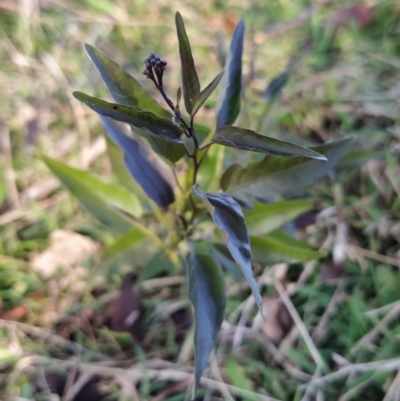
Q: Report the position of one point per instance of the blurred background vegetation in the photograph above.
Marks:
(333, 328)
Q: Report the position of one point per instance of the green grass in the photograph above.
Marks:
(348, 85)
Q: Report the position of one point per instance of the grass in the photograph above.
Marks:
(336, 327)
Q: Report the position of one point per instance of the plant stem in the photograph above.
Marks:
(190, 133)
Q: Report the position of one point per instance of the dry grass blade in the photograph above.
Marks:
(372, 335)
(366, 253)
(300, 325)
(134, 374)
(8, 172)
(382, 366)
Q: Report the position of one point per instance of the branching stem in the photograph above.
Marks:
(155, 68)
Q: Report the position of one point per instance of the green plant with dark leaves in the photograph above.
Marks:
(177, 168)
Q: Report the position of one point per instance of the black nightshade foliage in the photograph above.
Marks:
(147, 169)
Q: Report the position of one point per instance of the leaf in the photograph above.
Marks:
(159, 126)
(246, 139)
(97, 196)
(157, 265)
(266, 218)
(123, 87)
(224, 258)
(207, 295)
(127, 249)
(237, 377)
(190, 80)
(228, 217)
(276, 85)
(205, 94)
(279, 247)
(116, 156)
(126, 90)
(356, 158)
(275, 177)
(169, 151)
(211, 168)
(148, 170)
(228, 105)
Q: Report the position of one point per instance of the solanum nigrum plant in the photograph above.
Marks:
(177, 165)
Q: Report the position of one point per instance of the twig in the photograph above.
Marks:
(309, 391)
(338, 297)
(217, 376)
(50, 337)
(77, 386)
(354, 391)
(386, 365)
(370, 337)
(239, 332)
(393, 393)
(300, 325)
(135, 374)
(161, 282)
(374, 313)
(281, 359)
(366, 253)
(7, 167)
(304, 276)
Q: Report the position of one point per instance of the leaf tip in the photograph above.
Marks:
(318, 156)
(82, 97)
(178, 17)
(90, 51)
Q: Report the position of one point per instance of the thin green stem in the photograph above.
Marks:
(188, 154)
(177, 181)
(190, 133)
(194, 210)
(206, 146)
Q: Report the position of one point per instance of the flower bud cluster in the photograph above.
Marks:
(154, 64)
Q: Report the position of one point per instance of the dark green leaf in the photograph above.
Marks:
(279, 247)
(224, 258)
(202, 132)
(148, 170)
(228, 106)
(98, 197)
(157, 265)
(128, 250)
(116, 156)
(246, 139)
(190, 80)
(276, 177)
(211, 169)
(228, 217)
(207, 295)
(159, 126)
(276, 85)
(169, 151)
(205, 94)
(266, 218)
(237, 376)
(126, 90)
(123, 87)
(356, 158)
